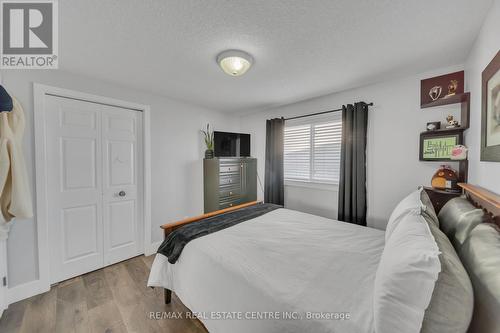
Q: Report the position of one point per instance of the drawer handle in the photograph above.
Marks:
(230, 193)
(230, 205)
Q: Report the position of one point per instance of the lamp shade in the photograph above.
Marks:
(234, 62)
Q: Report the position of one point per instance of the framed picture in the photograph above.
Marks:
(490, 117)
(438, 147)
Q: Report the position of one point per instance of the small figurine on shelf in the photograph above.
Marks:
(445, 179)
(435, 92)
(459, 153)
(452, 88)
(452, 123)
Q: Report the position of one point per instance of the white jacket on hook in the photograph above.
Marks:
(15, 197)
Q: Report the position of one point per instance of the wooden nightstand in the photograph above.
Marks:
(439, 197)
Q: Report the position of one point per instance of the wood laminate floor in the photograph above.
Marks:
(112, 299)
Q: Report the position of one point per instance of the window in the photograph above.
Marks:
(312, 149)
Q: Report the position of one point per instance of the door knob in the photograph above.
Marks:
(122, 193)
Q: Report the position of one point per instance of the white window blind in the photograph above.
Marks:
(312, 149)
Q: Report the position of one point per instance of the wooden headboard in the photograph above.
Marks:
(484, 199)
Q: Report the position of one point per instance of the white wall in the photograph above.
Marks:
(487, 44)
(176, 149)
(393, 168)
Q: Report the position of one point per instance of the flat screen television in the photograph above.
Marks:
(231, 144)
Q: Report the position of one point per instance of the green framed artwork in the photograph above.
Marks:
(438, 147)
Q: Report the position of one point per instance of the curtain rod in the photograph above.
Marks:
(318, 113)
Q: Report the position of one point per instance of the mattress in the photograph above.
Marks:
(283, 271)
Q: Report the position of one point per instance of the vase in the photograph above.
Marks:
(209, 153)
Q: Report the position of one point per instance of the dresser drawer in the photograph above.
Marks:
(229, 168)
(226, 205)
(230, 188)
(229, 201)
(229, 180)
(229, 192)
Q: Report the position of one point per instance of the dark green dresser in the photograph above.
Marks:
(229, 182)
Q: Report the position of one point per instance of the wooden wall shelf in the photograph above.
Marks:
(463, 170)
(458, 98)
(445, 130)
(464, 100)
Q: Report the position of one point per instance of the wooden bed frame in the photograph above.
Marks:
(484, 199)
(488, 201)
(169, 227)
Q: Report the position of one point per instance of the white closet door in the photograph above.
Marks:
(121, 136)
(74, 187)
(94, 188)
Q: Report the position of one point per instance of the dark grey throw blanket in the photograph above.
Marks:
(174, 243)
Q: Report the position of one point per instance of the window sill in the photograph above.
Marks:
(313, 185)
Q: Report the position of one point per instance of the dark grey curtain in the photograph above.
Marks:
(352, 186)
(273, 184)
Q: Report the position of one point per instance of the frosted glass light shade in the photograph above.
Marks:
(234, 62)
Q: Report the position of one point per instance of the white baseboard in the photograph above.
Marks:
(152, 248)
(26, 290)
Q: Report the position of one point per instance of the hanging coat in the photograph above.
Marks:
(15, 197)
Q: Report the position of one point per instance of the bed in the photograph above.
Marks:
(285, 271)
(294, 264)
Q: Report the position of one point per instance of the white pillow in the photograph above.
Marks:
(406, 276)
(411, 203)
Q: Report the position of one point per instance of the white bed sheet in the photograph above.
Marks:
(284, 263)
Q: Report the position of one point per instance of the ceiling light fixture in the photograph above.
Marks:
(234, 62)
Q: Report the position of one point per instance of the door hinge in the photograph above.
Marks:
(4, 281)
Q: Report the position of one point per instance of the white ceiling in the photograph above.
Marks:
(302, 49)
